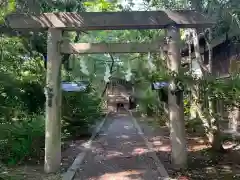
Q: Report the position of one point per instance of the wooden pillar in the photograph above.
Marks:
(53, 103)
(175, 102)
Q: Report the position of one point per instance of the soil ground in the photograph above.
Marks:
(203, 163)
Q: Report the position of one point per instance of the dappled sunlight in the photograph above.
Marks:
(226, 168)
(123, 137)
(128, 127)
(115, 158)
(157, 143)
(124, 153)
(197, 144)
(118, 152)
(160, 143)
(111, 154)
(156, 138)
(197, 147)
(97, 150)
(138, 151)
(165, 148)
(124, 175)
(159, 138)
(211, 170)
(120, 114)
(72, 145)
(127, 143)
(217, 172)
(197, 139)
(31, 172)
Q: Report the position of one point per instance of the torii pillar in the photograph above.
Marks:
(175, 101)
(53, 103)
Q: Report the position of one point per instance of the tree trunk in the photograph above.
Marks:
(196, 5)
(196, 104)
(215, 132)
(175, 101)
(234, 119)
(211, 125)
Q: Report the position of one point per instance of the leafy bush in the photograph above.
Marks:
(22, 101)
(80, 111)
(32, 97)
(21, 139)
(19, 96)
(24, 139)
(149, 104)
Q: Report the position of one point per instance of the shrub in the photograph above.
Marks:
(32, 97)
(80, 111)
(22, 134)
(21, 140)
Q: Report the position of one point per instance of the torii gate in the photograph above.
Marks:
(55, 23)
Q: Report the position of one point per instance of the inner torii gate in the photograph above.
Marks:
(55, 23)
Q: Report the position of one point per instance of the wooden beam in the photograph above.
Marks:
(109, 20)
(53, 103)
(98, 48)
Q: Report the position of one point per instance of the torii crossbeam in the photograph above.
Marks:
(109, 20)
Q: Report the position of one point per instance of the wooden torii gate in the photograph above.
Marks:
(55, 23)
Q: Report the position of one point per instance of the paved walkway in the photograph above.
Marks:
(119, 153)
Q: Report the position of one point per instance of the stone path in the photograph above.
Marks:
(119, 153)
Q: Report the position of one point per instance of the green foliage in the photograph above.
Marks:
(32, 97)
(101, 5)
(80, 111)
(226, 89)
(6, 8)
(148, 103)
(186, 103)
(19, 96)
(22, 102)
(22, 139)
(10, 101)
(22, 135)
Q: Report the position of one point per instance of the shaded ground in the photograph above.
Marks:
(120, 154)
(34, 171)
(203, 163)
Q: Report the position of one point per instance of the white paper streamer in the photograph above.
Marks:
(107, 74)
(83, 67)
(150, 63)
(128, 73)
